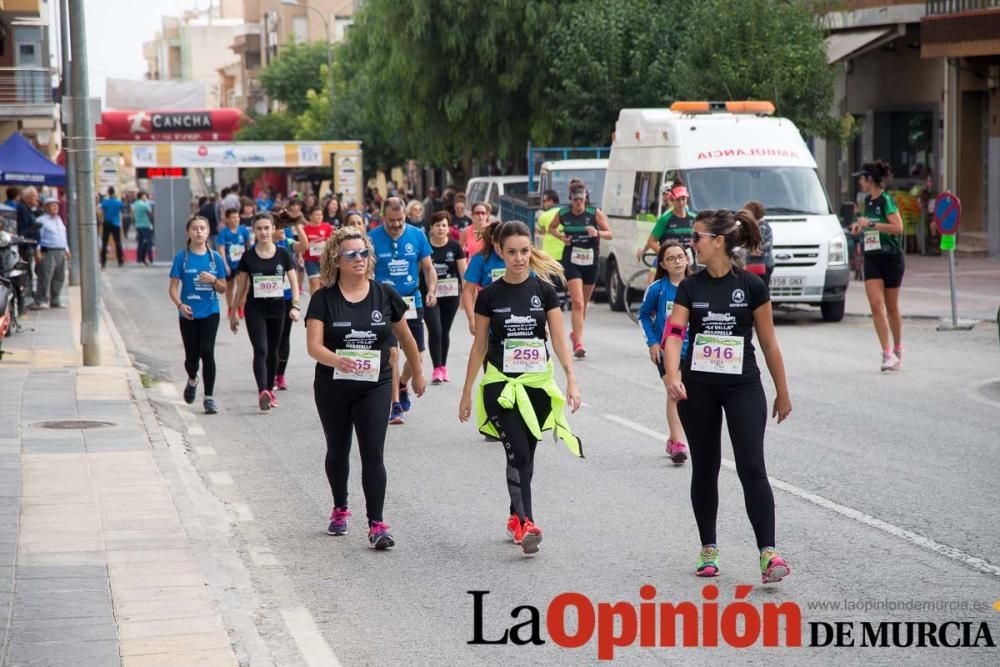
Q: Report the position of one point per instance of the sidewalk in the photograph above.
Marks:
(95, 565)
(925, 292)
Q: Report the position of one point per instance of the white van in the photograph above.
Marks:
(491, 188)
(726, 154)
(556, 175)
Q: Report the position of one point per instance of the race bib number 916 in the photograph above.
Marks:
(717, 354)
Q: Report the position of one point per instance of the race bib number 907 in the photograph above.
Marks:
(268, 287)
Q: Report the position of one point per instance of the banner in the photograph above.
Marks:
(228, 155)
(198, 125)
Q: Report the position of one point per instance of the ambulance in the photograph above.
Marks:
(725, 153)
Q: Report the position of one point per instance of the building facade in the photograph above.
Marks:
(27, 75)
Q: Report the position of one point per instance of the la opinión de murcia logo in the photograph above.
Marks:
(573, 620)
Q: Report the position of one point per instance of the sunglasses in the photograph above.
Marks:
(352, 255)
(697, 236)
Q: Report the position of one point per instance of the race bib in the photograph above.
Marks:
(368, 364)
(316, 247)
(582, 256)
(411, 307)
(446, 287)
(872, 240)
(717, 354)
(267, 287)
(524, 355)
(670, 307)
(236, 251)
(497, 274)
(398, 267)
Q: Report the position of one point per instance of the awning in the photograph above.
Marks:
(841, 45)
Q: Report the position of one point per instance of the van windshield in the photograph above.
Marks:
(782, 190)
(559, 179)
(516, 188)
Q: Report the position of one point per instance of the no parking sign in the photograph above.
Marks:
(947, 213)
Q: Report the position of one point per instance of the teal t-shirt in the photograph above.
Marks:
(142, 210)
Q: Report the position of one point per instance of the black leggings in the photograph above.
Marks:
(109, 232)
(746, 417)
(285, 347)
(519, 443)
(199, 345)
(363, 406)
(265, 335)
(439, 319)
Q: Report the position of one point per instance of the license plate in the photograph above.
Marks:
(788, 281)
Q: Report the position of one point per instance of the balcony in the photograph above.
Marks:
(26, 91)
(960, 29)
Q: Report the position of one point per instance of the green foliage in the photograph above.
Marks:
(296, 70)
(275, 126)
(759, 50)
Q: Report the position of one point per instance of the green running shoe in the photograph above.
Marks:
(708, 562)
(773, 567)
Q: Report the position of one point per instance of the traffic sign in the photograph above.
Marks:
(947, 212)
(947, 242)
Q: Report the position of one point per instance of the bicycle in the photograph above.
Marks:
(636, 285)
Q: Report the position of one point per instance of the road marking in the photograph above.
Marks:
(167, 389)
(195, 430)
(220, 478)
(312, 646)
(262, 557)
(243, 512)
(205, 451)
(974, 562)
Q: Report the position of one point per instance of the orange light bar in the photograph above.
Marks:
(690, 107)
(746, 107)
(751, 106)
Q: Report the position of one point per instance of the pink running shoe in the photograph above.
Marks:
(338, 521)
(264, 400)
(274, 399)
(379, 536)
(436, 376)
(677, 451)
(444, 374)
(280, 383)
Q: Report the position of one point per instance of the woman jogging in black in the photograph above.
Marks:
(260, 284)
(518, 398)
(348, 331)
(197, 277)
(449, 263)
(721, 307)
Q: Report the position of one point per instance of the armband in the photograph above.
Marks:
(675, 332)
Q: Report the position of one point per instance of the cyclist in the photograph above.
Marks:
(234, 239)
(197, 275)
(449, 263)
(518, 397)
(671, 268)
(881, 225)
(721, 306)
(583, 227)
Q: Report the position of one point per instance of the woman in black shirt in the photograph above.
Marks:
(519, 398)
(263, 273)
(449, 263)
(721, 307)
(349, 328)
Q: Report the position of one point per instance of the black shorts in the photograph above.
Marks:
(588, 274)
(885, 267)
(416, 328)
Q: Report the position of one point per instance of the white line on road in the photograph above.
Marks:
(866, 519)
(312, 646)
(220, 478)
(243, 512)
(205, 451)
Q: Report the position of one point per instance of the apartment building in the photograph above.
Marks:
(27, 75)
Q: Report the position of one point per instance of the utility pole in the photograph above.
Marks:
(73, 228)
(83, 156)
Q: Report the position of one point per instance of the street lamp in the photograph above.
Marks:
(329, 50)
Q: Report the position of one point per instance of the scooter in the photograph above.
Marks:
(12, 272)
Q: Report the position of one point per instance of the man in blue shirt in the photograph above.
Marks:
(111, 221)
(51, 254)
(401, 252)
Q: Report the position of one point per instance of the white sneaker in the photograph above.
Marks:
(890, 362)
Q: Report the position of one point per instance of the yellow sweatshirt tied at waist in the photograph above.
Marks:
(514, 395)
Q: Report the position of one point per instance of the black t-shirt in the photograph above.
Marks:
(266, 295)
(460, 222)
(365, 325)
(720, 307)
(445, 259)
(515, 311)
(575, 227)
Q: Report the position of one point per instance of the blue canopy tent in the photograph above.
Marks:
(22, 164)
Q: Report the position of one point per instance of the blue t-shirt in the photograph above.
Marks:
(484, 270)
(112, 209)
(655, 311)
(202, 298)
(226, 239)
(398, 262)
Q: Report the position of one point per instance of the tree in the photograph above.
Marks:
(297, 69)
(763, 50)
(275, 126)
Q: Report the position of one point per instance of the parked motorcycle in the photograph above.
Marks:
(13, 271)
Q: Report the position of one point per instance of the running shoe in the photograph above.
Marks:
(274, 399)
(578, 350)
(209, 405)
(708, 562)
(264, 400)
(396, 414)
(677, 451)
(531, 536)
(404, 398)
(514, 528)
(890, 362)
(773, 567)
(379, 536)
(338, 521)
(444, 374)
(279, 382)
(190, 390)
(436, 376)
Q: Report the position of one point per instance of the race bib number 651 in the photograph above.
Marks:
(717, 354)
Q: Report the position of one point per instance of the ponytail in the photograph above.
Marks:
(739, 229)
(747, 234)
(489, 235)
(546, 267)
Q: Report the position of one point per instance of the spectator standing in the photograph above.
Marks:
(13, 196)
(111, 226)
(50, 256)
(232, 200)
(27, 212)
(142, 211)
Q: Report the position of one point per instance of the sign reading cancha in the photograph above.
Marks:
(200, 125)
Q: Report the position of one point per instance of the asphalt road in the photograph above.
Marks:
(888, 493)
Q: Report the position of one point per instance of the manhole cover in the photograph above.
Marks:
(72, 424)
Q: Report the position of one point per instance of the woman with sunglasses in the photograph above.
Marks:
(349, 331)
(671, 268)
(471, 243)
(720, 307)
(260, 285)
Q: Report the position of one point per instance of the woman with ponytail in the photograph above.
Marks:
(484, 267)
(720, 307)
(518, 398)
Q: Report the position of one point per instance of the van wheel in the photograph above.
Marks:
(832, 311)
(616, 288)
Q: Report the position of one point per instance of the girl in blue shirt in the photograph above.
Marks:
(671, 268)
(197, 277)
(233, 240)
(484, 267)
